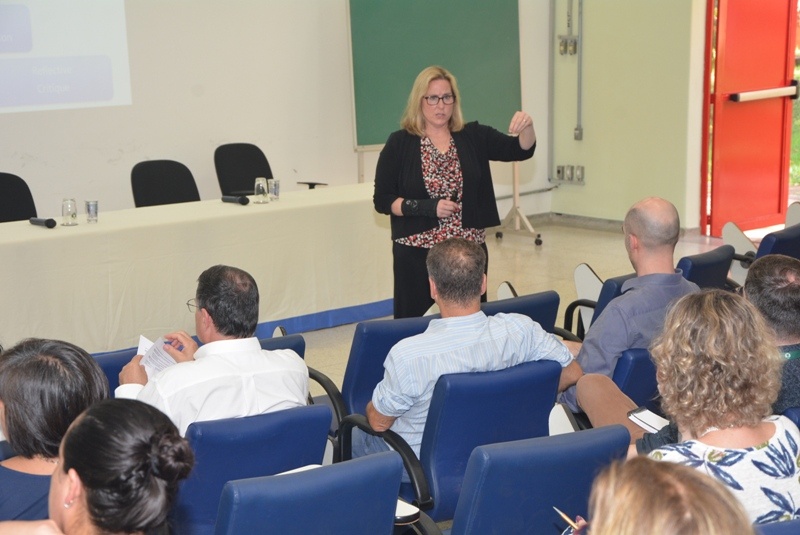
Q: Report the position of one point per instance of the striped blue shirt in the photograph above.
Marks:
(460, 344)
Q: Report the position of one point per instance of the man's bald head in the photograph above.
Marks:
(655, 222)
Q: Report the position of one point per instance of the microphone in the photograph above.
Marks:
(241, 199)
(49, 223)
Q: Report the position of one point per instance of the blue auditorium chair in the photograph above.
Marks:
(709, 269)
(467, 410)
(238, 448)
(791, 527)
(356, 497)
(611, 288)
(512, 487)
(112, 363)
(635, 375)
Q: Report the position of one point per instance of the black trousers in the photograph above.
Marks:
(412, 292)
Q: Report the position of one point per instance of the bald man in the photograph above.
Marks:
(633, 319)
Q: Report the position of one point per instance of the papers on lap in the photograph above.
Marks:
(154, 357)
(647, 420)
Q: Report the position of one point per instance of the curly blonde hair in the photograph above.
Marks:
(413, 120)
(647, 497)
(717, 363)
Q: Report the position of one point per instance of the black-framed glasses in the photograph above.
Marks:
(433, 100)
(191, 304)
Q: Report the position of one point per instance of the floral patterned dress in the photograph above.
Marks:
(443, 180)
(763, 478)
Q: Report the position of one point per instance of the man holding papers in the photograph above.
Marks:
(229, 375)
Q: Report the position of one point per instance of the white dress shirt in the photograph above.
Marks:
(227, 379)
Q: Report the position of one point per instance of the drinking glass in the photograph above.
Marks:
(261, 191)
(69, 212)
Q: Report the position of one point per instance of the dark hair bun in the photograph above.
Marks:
(171, 457)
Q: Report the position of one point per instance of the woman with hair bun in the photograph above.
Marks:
(118, 471)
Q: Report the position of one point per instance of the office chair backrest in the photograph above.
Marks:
(356, 497)
(372, 341)
(635, 375)
(16, 201)
(112, 363)
(511, 487)
(785, 242)
(295, 342)
(158, 182)
(238, 448)
(612, 287)
(541, 307)
(473, 409)
(709, 269)
(790, 527)
(238, 165)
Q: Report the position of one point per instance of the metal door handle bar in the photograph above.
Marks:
(788, 91)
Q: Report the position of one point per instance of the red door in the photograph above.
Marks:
(750, 47)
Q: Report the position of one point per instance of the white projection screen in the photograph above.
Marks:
(61, 54)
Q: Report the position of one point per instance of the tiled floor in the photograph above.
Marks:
(528, 267)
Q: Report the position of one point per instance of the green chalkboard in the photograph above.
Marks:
(393, 40)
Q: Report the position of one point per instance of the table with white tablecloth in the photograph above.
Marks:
(320, 257)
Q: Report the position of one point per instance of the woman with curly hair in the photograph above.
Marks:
(718, 373)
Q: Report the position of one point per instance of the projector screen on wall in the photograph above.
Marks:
(63, 54)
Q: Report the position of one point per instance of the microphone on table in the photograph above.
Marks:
(240, 199)
(42, 222)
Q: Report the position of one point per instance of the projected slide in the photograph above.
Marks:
(63, 54)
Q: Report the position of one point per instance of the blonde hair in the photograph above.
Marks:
(647, 497)
(413, 121)
(717, 363)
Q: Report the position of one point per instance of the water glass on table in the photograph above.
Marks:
(69, 212)
(261, 191)
(91, 211)
(274, 188)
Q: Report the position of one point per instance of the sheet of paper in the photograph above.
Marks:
(648, 420)
(155, 358)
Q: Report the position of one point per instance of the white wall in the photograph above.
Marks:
(277, 73)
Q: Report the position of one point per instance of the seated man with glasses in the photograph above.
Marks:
(229, 375)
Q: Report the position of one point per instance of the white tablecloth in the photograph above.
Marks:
(101, 285)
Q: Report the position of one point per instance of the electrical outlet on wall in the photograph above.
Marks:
(560, 173)
(579, 176)
(569, 173)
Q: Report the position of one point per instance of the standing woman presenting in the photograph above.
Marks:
(433, 179)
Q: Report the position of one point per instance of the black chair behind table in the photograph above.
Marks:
(543, 472)
(16, 201)
(709, 269)
(357, 497)
(157, 182)
(467, 410)
(239, 448)
(238, 165)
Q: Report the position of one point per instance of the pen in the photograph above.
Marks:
(567, 519)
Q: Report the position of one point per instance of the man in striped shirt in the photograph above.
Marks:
(463, 340)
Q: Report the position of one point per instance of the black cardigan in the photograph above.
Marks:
(399, 174)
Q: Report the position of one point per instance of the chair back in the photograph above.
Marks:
(238, 448)
(709, 269)
(612, 287)
(635, 375)
(238, 165)
(510, 487)
(472, 409)
(372, 341)
(158, 182)
(112, 363)
(356, 497)
(295, 342)
(541, 307)
(16, 201)
(789, 527)
(785, 242)
(793, 413)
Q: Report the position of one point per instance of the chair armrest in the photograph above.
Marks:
(569, 313)
(412, 465)
(745, 259)
(337, 401)
(566, 335)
